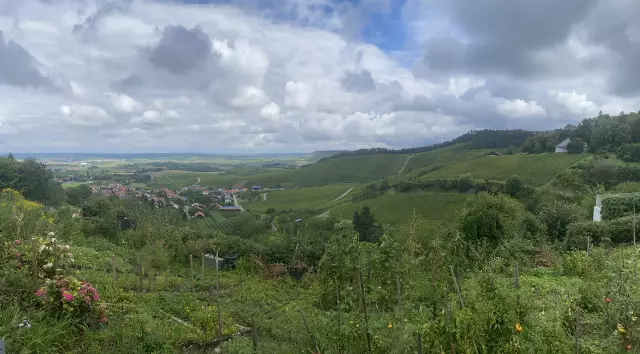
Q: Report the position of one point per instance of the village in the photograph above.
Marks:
(196, 200)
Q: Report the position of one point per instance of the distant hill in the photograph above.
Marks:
(318, 155)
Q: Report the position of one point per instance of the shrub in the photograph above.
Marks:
(557, 216)
(619, 206)
(70, 296)
(600, 232)
(52, 257)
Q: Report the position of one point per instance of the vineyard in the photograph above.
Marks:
(179, 179)
(394, 209)
(535, 170)
(446, 156)
(299, 198)
(348, 169)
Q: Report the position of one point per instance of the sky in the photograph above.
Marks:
(222, 76)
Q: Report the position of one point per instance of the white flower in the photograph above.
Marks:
(42, 247)
(51, 234)
(66, 247)
(47, 266)
(53, 239)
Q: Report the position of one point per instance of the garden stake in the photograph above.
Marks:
(635, 268)
(339, 321)
(578, 331)
(113, 273)
(419, 344)
(586, 258)
(516, 284)
(364, 309)
(399, 299)
(191, 264)
(455, 282)
(254, 335)
(55, 256)
(34, 258)
(141, 274)
(447, 320)
(313, 337)
(202, 265)
(218, 298)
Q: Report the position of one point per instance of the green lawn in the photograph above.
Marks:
(300, 198)
(535, 170)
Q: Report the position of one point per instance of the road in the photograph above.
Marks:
(343, 194)
(405, 164)
(235, 201)
(264, 196)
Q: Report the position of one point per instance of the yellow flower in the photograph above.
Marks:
(519, 328)
(620, 328)
(389, 325)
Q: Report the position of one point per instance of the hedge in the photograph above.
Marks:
(619, 206)
(600, 232)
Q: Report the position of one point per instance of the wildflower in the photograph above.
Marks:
(96, 297)
(620, 328)
(48, 265)
(389, 326)
(519, 327)
(52, 234)
(18, 242)
(17, 255)
(41, 292)
(628, 347)
(103, 319)
(607, 299)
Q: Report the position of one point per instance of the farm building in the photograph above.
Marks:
(562, 147)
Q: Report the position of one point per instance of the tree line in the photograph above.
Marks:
(31, 178)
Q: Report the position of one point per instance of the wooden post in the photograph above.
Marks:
(254, 335)
(339, 318)
(113, 273)
(34, 262)
(516, 284)
(635, 268)
(218, 298)
(191, 264)
(141, 274)
(419, 343)
(399, 300)
(578, 330)
(364, 309)
(447, 320)
(313, 337)
(202, 265)
(586, 258)
(455, 282)
(55, 256)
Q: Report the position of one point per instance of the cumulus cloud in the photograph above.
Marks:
(82, 115)
(124, 75)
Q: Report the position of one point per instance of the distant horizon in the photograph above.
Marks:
(27, 154)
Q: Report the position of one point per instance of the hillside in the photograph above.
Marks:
(299, 198)
(535, 170)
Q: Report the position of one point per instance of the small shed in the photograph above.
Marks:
(494, 153)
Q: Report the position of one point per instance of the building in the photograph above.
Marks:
(494, 153)
(562, 147)
(255, 188)
(228, 208)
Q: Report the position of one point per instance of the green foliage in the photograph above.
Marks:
(78, 195)
(298, 198)
(557, 216)
(32, 179)
(617, 231)
(614, 207)
(490, 219)
(535, 170)
(513, 186)
(364, 224)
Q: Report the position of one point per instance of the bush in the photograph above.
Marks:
(619, 206)
(557, 216)
(600, 232)
(67, 295)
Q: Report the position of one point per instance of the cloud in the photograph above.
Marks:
(18, 67)
(181, 50)
(305, 75)
(90, 116)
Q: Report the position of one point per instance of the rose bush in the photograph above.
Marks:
(53, 257)
(68, 295)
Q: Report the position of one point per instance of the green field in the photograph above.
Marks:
(445, 156)
(179, 179)
(535, 170)
(348, 169)
(300, 198)
(395, 208)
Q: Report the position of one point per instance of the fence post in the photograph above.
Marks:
(419, 343)
(201, 265)
(34, 262)
(366, 317)
(455, 282)
(399, 300)
(218, 298)
(254, 335)
(113, 273)
(141, 274)
(339, 319)
(578, 330)
(191, 265)
(447, 320)
(313, 337)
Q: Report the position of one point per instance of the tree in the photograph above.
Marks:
(557, 216)
(465, 182)
(510, 149)
(576, 146)
(513, 186)
(490, 219)
(364, 224)
(76, 196)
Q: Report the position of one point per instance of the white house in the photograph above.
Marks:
(562, 147)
